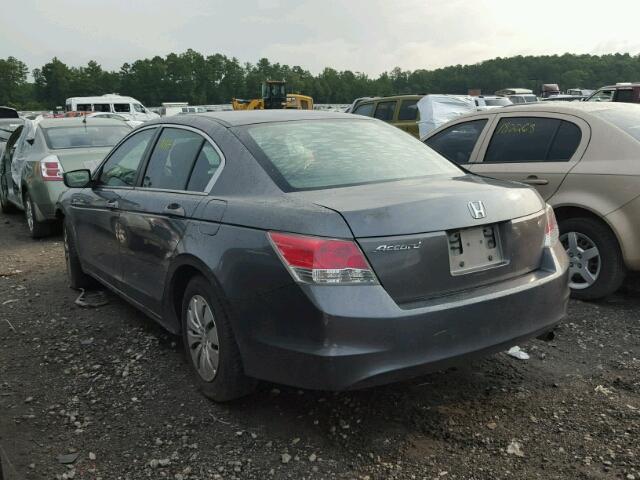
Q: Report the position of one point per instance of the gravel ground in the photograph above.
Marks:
(105, 394)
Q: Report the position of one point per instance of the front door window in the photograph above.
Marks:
(121, 169)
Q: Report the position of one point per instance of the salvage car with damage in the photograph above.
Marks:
(321, 250)
(38, 152)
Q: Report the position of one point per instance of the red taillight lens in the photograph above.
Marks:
(319, 260)
(51, 168)
(551, 231)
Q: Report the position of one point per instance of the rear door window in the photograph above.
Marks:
(365, 109)
(385, 111)
(101, 107)
(408, 110)
(172, 159)
(532, 139)
(122, 107)
(206, 165)
(565, 142)
(10, 146)
(121, 169)
(625, 96)
(457, 142)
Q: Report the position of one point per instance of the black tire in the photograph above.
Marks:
(36, 229)
(612, 268)
(229, 382)
(76, 277)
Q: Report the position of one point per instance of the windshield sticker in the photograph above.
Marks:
(510, 128)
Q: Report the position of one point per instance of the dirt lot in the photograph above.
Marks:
(110, 387)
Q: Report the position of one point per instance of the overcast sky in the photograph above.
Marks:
(361, 35)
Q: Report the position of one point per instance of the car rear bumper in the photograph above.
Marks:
(624, 223)
(338, 338)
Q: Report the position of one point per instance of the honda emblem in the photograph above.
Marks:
(477, 209)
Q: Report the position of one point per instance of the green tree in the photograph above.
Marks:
(13, 81)
(191, 77)
(53, 82)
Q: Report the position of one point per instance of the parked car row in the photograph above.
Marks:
(418, 114)
(333, 251)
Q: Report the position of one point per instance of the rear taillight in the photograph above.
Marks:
(551, 231)
(51, 168)
(323, 261)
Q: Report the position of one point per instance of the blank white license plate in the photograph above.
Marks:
(474, 249)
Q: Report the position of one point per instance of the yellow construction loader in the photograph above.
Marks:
(274, 96)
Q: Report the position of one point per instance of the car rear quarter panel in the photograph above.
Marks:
(607, 183)
(234, 251)
(239, 261)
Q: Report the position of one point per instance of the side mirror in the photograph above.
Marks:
(77, 178)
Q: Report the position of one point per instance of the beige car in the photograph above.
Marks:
(584, 160)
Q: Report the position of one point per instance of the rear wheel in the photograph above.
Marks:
(596, 267)
(76, 277)
(36, 229)
(210, 345)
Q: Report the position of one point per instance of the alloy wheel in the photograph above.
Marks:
(28, 213)
(202, 338)
(584, 259)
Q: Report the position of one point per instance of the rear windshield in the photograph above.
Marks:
(84, 136)
(629, 121)
(333, 153)
(8, 113)
(497, 102)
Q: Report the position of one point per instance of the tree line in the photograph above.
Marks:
(198, 79)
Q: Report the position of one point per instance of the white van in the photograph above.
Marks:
(111, 103)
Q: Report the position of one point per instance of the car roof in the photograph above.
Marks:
(106, 98)
(78, 121)
(249, 117)
(622, 85)
(569, 108)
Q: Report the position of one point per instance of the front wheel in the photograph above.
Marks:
(596, 266)
(76, 277)
(210, 346)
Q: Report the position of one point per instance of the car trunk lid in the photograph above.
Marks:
(72, 159)
(421, 237)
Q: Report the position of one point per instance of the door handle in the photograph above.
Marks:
(534, 180)
(175, 210)
(112, 204)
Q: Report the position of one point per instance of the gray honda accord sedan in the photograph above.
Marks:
(320, 250)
